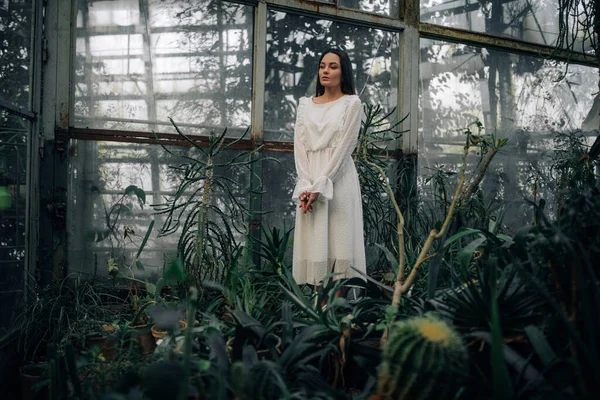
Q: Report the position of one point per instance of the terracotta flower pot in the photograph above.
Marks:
(30, 375)
(364, 356)
(144, 338)
(108, 347)
(158, 334)
(107, 344)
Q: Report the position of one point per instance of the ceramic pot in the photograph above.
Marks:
(158, 334)
(144, 338)
(30, 375)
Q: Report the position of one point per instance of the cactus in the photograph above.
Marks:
(424, 358)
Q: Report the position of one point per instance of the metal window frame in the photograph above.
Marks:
(58, 103)
(32, 165)
(407, 23)
(32, 214)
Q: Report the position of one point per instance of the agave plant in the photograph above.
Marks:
(556, 261)
(208, 207)
(468, 304)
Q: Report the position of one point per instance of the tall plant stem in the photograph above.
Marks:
(188, 337)
(401, 286)
(400, 226)
(202, 216)
(475, 182)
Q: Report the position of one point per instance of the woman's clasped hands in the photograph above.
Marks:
(306, 201)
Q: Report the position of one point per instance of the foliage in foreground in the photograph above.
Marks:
(525, 308)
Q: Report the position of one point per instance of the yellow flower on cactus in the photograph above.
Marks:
(422, 353)
(436, 331)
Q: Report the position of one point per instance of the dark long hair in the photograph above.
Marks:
(347, 75)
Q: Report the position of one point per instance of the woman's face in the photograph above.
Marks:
(330, 70)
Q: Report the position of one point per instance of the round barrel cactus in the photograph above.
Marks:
(424, 358)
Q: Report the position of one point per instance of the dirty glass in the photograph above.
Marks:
(535, 21)
(13, 195)
(139, 63)
(109, 221)
(294, 44)
(383, 7)
(279, 179)
(15, 52)
(532, 102)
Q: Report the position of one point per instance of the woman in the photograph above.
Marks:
(329, 225)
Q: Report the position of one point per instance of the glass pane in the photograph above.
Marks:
(100, 174)
(13, 195)
(140, 63)
(534, 21)
(383, 7)
(294, 44)
(279, 180)
(15, 55)
(525, 99)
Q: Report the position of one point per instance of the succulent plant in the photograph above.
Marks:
(424, 358)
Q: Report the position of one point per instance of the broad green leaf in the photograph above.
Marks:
(139, 193)
(390, 257)
(158, 289)
(139, 265)
(504, 237)
(151, 289)
(465, 255)
(390, 313)
(148, 232)
(460, 235)
(175, 271)
(203, 365)
(540, 345)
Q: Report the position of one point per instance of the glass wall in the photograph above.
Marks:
(119, 190)
(15, 53)
(535, 21)
(294, 45)
(139, 63)
(13, 195)
(530, 101)
(382, 7)
(16, 117)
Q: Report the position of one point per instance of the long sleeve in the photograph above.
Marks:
(300, 159)
(333, 171)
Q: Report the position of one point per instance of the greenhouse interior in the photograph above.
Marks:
(148, 166)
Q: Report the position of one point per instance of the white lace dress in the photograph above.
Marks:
(330, 239)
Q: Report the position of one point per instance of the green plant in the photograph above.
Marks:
(424, 358)
(555, 260)
(377, 141)
(469, 303)
(335, 322)
(489, 146)
(273, 247)
(571, 170)
(113, 216)
(209, 228)
(48, 317)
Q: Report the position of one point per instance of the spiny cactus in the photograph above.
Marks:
(424, 358)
